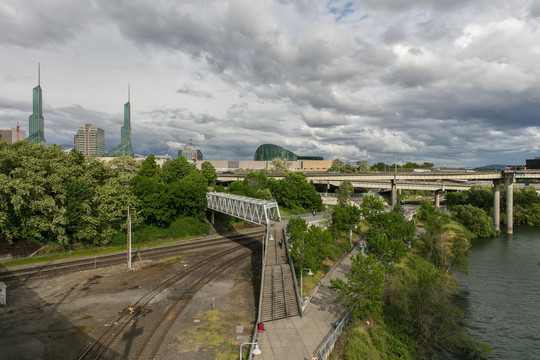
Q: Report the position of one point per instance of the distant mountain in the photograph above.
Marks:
(493, 167)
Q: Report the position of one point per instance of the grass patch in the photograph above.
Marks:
(310, 282)
(60, 256)
(216, 332)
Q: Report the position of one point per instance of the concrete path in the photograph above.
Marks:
(297, 338)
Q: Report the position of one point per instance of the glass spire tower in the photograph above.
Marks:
(36, 128)
(125, 135)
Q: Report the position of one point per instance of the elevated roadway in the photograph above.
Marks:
(436, 181)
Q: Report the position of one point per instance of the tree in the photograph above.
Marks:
(363, 166)
(344, 192)
(126, 166)
(176, 169)
(389, 236)
(190, 195)
(149, 167)
(428, 165)
(362, 293)
(280, 165)
(380, 166)
(475, 220)
(371, 205)
(337, 166)
(106, 216)
(345, 217)
(294, 192)
(426, 211)
(209, 173)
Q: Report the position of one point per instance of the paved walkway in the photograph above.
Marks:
(297, 338)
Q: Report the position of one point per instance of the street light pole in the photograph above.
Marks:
(255, 351)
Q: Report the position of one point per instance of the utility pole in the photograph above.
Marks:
(128, 239)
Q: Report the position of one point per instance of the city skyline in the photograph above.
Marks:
(455, 84)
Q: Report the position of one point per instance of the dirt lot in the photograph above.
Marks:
(57, 318)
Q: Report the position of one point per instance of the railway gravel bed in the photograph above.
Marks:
(58, 317)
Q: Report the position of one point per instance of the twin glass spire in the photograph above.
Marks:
(36, 128)
(125, 134)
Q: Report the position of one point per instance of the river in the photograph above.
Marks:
(501, 294)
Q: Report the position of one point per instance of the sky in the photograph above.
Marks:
(455, 83)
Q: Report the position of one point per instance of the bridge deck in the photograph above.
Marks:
(253, 210)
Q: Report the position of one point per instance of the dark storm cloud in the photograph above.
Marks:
(8, 104)
(189, 91)
(416, 79)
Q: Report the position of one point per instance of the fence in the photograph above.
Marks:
(326, 347)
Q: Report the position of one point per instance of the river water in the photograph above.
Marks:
(501, 294)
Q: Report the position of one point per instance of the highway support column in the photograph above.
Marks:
(438, 198)
(394, 192)
(497, 204)
(509, 177)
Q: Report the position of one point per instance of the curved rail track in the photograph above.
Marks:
(127, 338)
(88, 263)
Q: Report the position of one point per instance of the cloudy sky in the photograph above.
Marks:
(456, 83)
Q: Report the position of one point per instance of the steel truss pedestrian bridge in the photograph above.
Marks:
(253, 210)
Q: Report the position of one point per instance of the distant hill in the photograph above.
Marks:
(493, 167)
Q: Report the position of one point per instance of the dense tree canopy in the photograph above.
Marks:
(48, 195)
(475, 220)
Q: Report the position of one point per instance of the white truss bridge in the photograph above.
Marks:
(253, 210)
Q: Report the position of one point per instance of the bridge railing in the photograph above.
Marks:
(257, 211)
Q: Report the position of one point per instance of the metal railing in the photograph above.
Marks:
(326, 347)
(255, 331)
(298, 299)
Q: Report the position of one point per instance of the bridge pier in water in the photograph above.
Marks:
(509, 203)
(497, 204)
(508, 179)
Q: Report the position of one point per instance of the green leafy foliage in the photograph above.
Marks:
(426, 302)
(371, 205)
(527, 207)
(362, 293)
(389, 236)
(309, 245)
(345, 217)
(478, 196)
(294, 192)
(426, 211)
(47, 195)
(280, 165)
(343, 193)
(475, 220)
(209, 173)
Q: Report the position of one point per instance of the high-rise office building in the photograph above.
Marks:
(125, 135)
(191, 153)
(12, 134)
(89, 140)
(36, 128)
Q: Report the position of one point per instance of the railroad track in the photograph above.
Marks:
(88, 263)
(149, 338)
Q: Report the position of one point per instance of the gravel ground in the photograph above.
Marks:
(57, 318)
